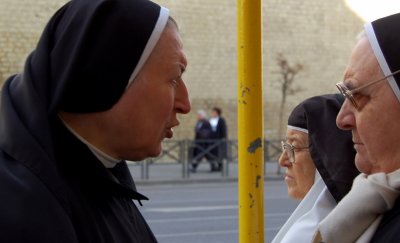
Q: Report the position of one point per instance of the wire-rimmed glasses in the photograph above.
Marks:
(289, 149)
(349, 93)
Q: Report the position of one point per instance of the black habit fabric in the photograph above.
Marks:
(52, 188)
(90, 47)
(388, 230)
(386, 31)
(331, 148)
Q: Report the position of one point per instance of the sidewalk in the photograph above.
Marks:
(173, 173)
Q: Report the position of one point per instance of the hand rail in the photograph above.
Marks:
(181, 152)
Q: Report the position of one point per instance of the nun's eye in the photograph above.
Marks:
(174, 82)
(361, 99)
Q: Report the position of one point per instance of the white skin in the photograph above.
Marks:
(134, 128)
(300, 175)
(374, 125)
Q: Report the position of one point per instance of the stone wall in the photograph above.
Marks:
(317, 34)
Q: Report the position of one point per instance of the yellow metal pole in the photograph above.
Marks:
(250, 122)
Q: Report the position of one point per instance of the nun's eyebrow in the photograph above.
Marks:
(349, 84)
(347, 80)
(295, 138)
(292, 138)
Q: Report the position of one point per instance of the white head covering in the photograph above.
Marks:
(303, 223)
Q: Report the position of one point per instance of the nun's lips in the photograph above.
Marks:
(169, 131)
(357, 146)
(288, 177)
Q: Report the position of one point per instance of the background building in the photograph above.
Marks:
(317, 34)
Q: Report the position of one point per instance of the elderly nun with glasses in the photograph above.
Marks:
(370, 212)
(319, 162)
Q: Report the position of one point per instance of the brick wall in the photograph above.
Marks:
(317, 34)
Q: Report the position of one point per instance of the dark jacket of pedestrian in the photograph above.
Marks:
(219, 134)
(202, 136)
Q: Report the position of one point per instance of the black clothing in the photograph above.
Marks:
(91, 47)
(80, 201)
(52, 188)
(221, 130)
(100, 198)
(389, 227)
(331, 148)
(219, 152)
(385, 33)
(202, 141)
(203, 130)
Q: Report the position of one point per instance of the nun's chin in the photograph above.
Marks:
(153, 152)
(156, 152)
(362, 164)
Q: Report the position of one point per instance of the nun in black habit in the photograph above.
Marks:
(55, 186)
(332, 154)
(370, 212)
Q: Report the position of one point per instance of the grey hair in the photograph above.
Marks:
(202, 113)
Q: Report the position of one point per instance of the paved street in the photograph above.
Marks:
(207, 212)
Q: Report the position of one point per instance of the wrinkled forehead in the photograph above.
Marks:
(170, 41)
(169, 53)
(296, 135)
(363, 64)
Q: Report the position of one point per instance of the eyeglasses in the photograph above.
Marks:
(289, 149)
(349, 94)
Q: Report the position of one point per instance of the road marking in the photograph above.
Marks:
(197, 233)
(232, 199)
(189, 209)
(192, 219)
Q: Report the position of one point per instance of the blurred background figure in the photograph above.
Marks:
(201, 140)
(219, 134)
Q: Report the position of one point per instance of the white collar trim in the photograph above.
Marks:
(297, 129)
(151, 43)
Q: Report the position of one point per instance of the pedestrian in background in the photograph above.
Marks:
(201, 140)
(84, 104)
(219, 135)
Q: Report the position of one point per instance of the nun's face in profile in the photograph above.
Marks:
(147, 112)
(300, 174)
(374, 124)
